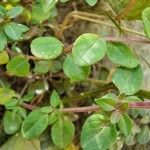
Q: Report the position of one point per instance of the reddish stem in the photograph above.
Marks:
(81, 109)
(29, 106)
(144, 105)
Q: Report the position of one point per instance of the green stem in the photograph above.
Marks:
(143, 94)
(103, 88)
(90, 94)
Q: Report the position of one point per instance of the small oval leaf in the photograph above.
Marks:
(106, 104)
(46, 47)
(5, 95)
(96, 134)
(3, 40)
(12, 122)
(128, 81)
(15, 12)
(14, 31)
(125, 124)
(88, 49)
(18, 66)
(120, 54)
(143, 136)
(35, 123)
(62, 133)
(55, 99)
(4, 58)
(73, 71)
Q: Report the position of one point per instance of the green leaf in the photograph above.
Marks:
(34, 124)
(125, 124)
(22, 28)
(55, 99)
(37, 14)
(14, 31)
(6, 95)
(96, 134)
(106, 104)
(4, 58)
(91, 2)
(56, 66)
(42, 66)
(64, 1)
(46, 109)
(18, 66)
(3, 12)
(10, 105)
(3, 40)
(128, 81)
(123, 106)
(28, 97)
(88, 49)
(133, 112)
(17, 142)
(144, 136)
(15, 12)
(21, 111)
(132, 99)
(110, 96)
(13, 1)
(136, 12)
(115, 117)
(146, 21)
(48, 5)
(73, 71)
(120, 54)
(53, 117)
(12, 122)
(62, 133)
(46, 47)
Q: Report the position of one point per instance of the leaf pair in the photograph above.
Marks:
(87, 50)
(62, 131)
(98, 134)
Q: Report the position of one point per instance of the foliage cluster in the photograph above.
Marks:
(34, 54)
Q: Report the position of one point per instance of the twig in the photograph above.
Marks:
(143, 105)
(91, 18)
(109, 25)
(81, 109)
(90, 94)
(127, 39)
(23, 89)
(29, 106)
